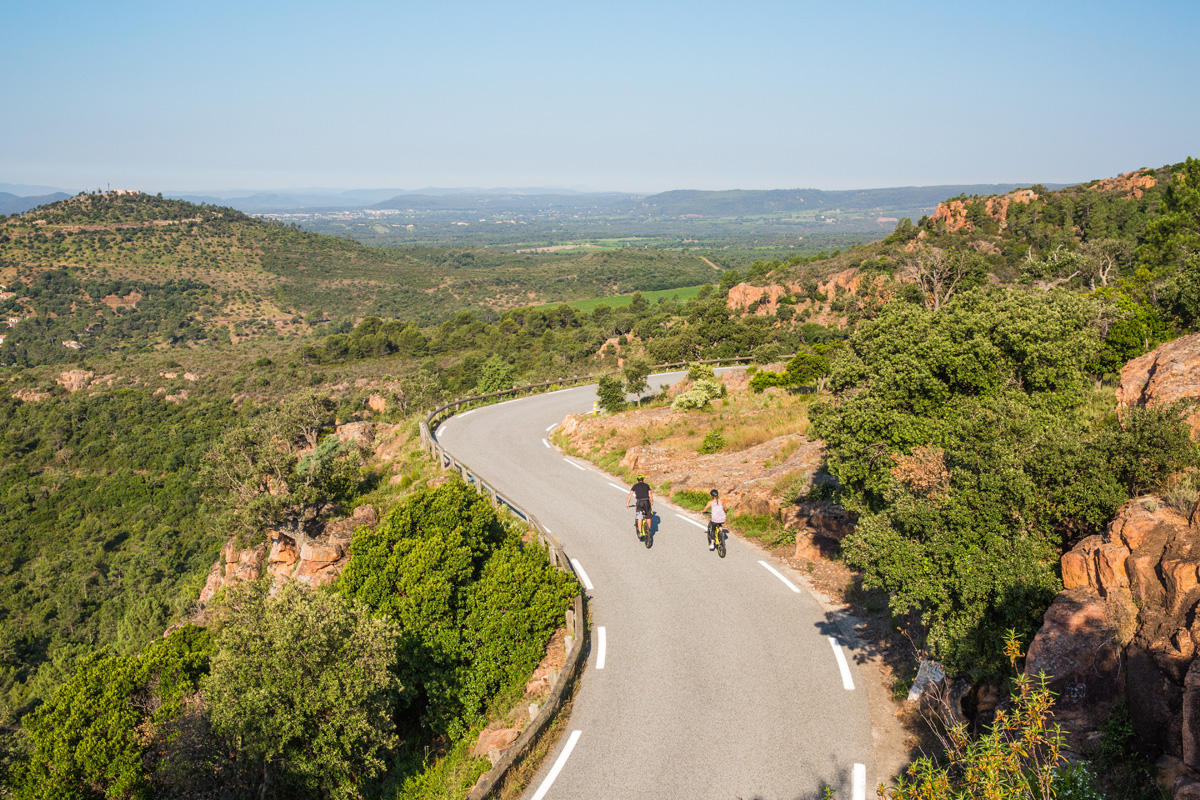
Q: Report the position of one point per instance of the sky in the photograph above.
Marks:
(604, 96)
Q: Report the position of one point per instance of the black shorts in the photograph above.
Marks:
(643, 505)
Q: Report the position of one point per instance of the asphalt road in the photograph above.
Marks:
(705, 677)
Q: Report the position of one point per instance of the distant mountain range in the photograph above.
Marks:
(905, 201)
(17, 204)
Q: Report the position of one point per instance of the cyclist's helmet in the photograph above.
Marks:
(713, 493)
(641, 477)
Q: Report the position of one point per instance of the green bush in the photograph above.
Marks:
(714, 441)
(610, 393)
(690, 499)
(703, 392)
(90, 738)
(303, 682)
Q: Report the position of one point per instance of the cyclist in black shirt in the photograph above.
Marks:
(645, 497)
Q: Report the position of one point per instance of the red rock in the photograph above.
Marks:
(1078, 649)
(212, 584)
(1182, 581)
(283, 551)
(1164, 375)
(1110, 567)
(1082, 562)
(1075, 573)
(500, 739)
(319, 553)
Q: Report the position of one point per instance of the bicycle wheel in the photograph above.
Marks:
(648, 537)
(721, 542)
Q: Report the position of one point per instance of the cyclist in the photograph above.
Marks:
(645, 500)
(718, 510)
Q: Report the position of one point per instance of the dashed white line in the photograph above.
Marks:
(618, 488)
(699, 525)
(600, 643)
(545, 443)
(859, 785)
(552, 427)
(779, 575)
(558, 765)
(579, 570)
(442, 429)
(847, 680)
(573, 464)
(472, 411)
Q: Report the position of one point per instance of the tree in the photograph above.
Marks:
(610, 392)
(303, 681)
(495, 376)
(938, 274)
(988, 394)
(92, 738)
(637, 370)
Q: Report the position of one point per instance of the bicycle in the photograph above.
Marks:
(719, 534)
(643, 527)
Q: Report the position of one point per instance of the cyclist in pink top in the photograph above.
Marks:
(718, 516)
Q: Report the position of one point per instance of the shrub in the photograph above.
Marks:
(702, 393)
(713, 442)
(610, 392)
(304, 682)
(690, 499)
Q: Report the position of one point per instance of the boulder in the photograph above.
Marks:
(377, 403)
(361, 433)
(1164, 375)
(1078, 648)
(821, 518)
(500, 739)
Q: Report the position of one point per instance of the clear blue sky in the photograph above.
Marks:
(633, 96)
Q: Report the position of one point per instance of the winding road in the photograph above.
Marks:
(705, 677)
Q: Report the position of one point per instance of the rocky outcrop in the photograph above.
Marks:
(315, 560)
(75, 379)
(1126, 625)
(953, 213)
(1163, 376)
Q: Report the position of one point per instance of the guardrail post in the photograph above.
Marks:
(570, 622)
(492, 494)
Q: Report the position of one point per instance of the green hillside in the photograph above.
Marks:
(121, 270)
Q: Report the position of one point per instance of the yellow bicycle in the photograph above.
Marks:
(643, 526)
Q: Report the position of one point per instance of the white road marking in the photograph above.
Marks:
(558, 765)
(545, 443)
(699, 525)
(442, 429)
(552, 427)
(779, 575)
(618, 488)
(600, 642)
(582, 574)
(859, 790)
(573, 464)
(472, 411)
(847, 681)
(547, 530)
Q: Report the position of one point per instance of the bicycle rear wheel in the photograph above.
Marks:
(647, 537)
(721, 542)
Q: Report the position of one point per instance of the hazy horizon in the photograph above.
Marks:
(627, 97)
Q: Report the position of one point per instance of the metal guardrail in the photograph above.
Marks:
(576, 621)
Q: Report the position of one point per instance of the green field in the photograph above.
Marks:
(684, 293)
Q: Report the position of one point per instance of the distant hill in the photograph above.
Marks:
(16, 204)
(103, 272)
(614, 203)
(909, 201)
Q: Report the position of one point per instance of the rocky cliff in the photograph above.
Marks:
(1126, 625)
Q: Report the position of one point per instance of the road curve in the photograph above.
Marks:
(714, 678)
